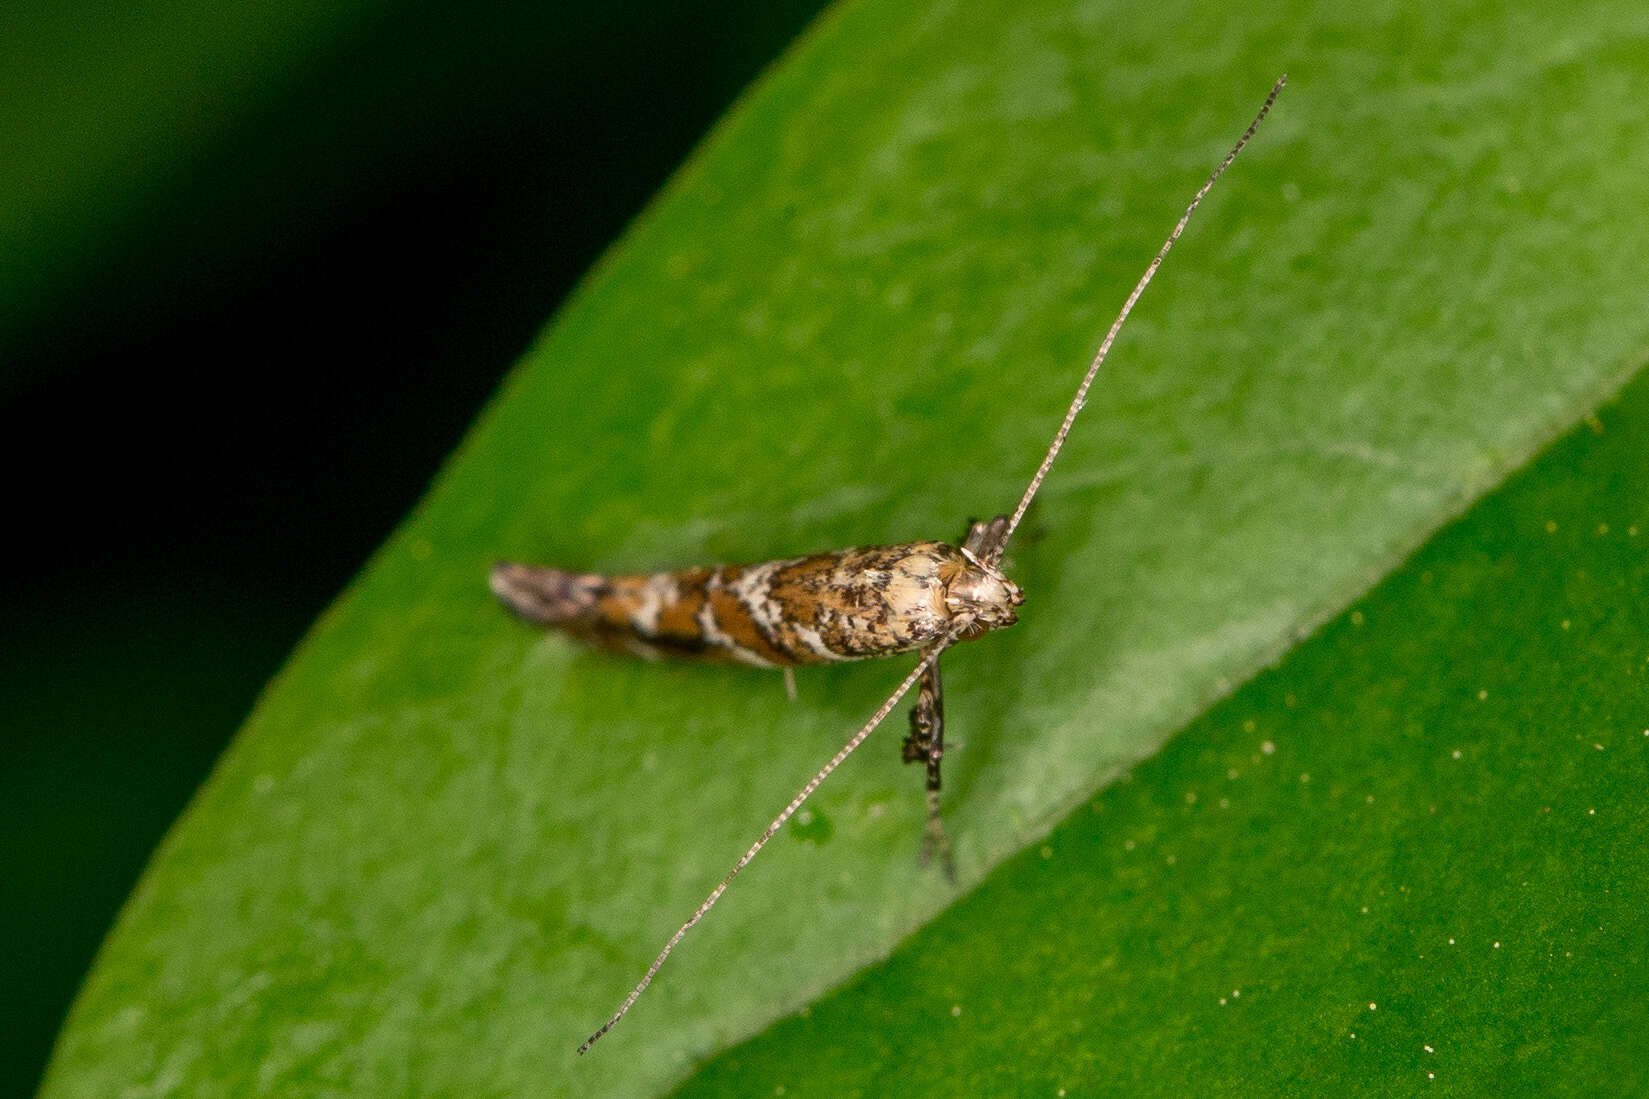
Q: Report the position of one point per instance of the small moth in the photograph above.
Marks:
(850, 604)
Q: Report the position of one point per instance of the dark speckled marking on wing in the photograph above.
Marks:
(845, 605)
(861, 603)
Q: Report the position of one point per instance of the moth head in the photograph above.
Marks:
(980, 597)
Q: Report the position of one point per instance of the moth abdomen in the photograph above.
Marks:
(649, 616)
(546, 596)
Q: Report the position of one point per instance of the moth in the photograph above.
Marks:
(852, 604)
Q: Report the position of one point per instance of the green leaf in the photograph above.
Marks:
(1411, 855)
(443, 848)
(107, 110)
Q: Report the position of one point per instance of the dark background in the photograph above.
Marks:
(208, 429)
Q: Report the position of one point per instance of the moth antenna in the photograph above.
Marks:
(772, 829)
(991, 558)
(1116, 326)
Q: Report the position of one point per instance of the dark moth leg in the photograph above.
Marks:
(926, 744)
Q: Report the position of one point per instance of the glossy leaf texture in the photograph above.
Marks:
(443, 848)
(1411, 856)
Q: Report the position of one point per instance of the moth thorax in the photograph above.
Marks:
(979, 595)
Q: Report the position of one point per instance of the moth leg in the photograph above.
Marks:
(926, 744)
(984, 537)
(790, 682)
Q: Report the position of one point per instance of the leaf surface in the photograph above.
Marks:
(1411, 856)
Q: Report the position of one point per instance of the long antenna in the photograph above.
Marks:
(772, 829)
(1081, 397)
(932, 653)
